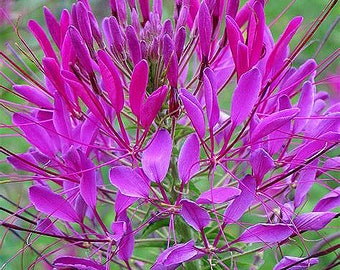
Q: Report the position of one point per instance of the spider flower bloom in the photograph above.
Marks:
(166, 134)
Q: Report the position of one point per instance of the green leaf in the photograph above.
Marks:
(155, 226)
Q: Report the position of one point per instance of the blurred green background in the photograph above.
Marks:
(21, 11)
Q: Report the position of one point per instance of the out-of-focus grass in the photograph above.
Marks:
(23, 10)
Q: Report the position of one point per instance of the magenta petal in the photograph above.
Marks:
(242, 61)
(309, 149)
(88, 183)
(194, 215)
(81, 49)
(261, 162)
(52, 204)
(234, 35)
(139, 81)
(188, 160)
(232, 8)
(123, 202)
(152, 106)
(211, 101)
(194, 110)
(266, 233)
(83, 22)
(134, 45)
(283, 41)
(245, 95)
(35, 133)
(288, 260)
(85, 94)
(273, 122)
(313, 221)
(304, 183)
(111, 81)
(127, 242)
(298, 76)
(117, 37)
(145, 9)
(157, 155)
(305, 105)
(61, 121)
(118, 229)
(241, 203)
(204, 29)
(180, 41)
(172, 257)
(329, 201)
(45, 225)
(53, 27)
(129, 182)
(41, 37)
(218, 195)
(68, 55)
(77, 263)
(25, 162)
(33, 95)
(170, 60)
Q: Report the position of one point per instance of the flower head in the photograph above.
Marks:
(197, 124)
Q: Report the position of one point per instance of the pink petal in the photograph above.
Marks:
(234, 35)
(45, 225)
(85, 94)
(211, 101)
(204, 29)
(111, 81)
(194, 111)
(52, 204)
(288, 260)
(245, 96)
(123, 202)
(129, 182)
(78, 263)
(33, 95)
(188, 159)
(118, 229)
(283, 41)
(266, 233)
(80, 49)
(25, 162)
(242, 61)
(139, 81)
(309, 149)
(88, 183)
(152, 106)
(329, 201)
(53, 27)
(305, 105)
(305, 181)
(41, 37)
(172, 257)
(84, 25)
(313, 221)
(35, 133)
(157, 155)
(261, 163)
(195, 216)
(218, 195)
(134, 45)
(273, 122)
(241, 203)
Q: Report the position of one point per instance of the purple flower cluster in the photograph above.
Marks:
(185, 128)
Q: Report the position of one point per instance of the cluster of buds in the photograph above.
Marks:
(192, 136)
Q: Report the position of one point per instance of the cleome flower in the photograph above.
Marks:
(196, 136)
